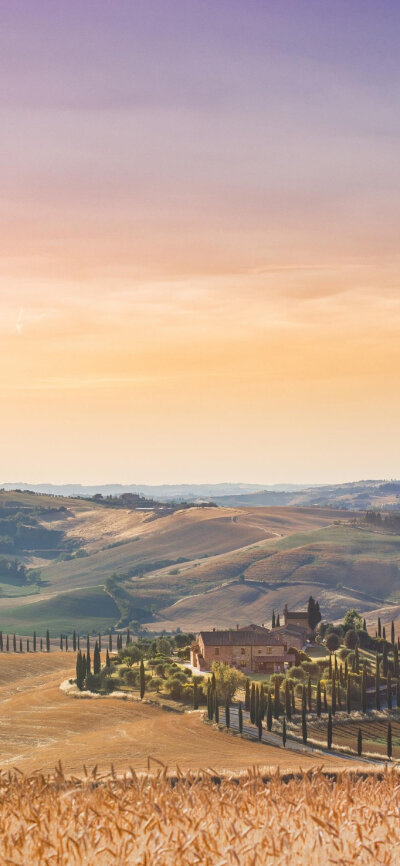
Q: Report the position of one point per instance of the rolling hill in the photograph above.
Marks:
(90, 566)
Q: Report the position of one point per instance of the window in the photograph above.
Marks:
(242, 651)
(216, 651)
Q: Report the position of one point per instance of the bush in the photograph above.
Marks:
(160, 669)
(297, 673)
(351, 638)
(131, 677)
(156, 683)
(312, 668)
(333, 641)
(278, 678)
(174, 687)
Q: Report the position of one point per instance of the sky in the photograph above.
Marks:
(199, 238)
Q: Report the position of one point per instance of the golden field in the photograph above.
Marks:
(251, 820)
(41, 725)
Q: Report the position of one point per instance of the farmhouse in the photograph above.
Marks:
(252, 648)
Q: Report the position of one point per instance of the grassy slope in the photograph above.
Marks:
(285, 554)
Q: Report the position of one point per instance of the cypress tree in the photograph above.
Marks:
(356, 660)
(269, 712)
(348, 696)
(395, 661)
(276, 699)
(66, 643)
(389, 691)
(359, 743)
(34, 641)
(259, 725)
(336, 667)
(108, 662)
(293, 700)
(284, 732)
(262, 701)
(210, 706)
(61, 642)
(278, 622)
(379, 627)
(240, 719)
(377, 690)
(257, 714)
(253, 704)
(96, 659)
(74, 640)
(142, 679)
(110, 642)
(330, 667)
(227, 714)
(87, 644)
(195, 691)
(384, 633)
(1, 641)
(14, 643)
(213, 681)
(384, 661)
(325, 701)
(88, 662)
(288, 706)
(392, 638)
(364, 691)
(319, 704)
(329, 732)
(304, 725)
(80, 670)
(273, 619)
(309, 695)
(398, 694)
(41, 644)
(8, 644)
(364, 625)
(346, 671)
(27, 645)
(216, 707)
(333, 697)
(99, 642)
(389, 741)
(78, 642)
(20, 645)
(247, 696)
(128, 637)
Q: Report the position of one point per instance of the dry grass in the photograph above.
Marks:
(311, 819)
(40, 725)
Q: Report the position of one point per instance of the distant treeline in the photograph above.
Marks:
(390, 520)
(134, 501)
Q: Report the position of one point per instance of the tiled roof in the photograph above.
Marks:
(240, 637)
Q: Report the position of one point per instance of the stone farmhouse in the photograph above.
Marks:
(252, 648)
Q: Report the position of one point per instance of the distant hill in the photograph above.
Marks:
(362, 495)
(157, 491)
(80, 563)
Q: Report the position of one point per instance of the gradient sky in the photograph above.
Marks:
(199, 230)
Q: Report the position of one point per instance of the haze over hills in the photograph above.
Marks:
(70, 563)
(158, 491)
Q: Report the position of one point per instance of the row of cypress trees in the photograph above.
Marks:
(34, 644)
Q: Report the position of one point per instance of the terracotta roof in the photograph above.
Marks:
(240, 637)
(290, 628)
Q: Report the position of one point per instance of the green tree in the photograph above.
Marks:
(142, 679)
(392, 637)
(34, 642)
(110, 642)
(348, 696)
(107, 659)
(273, 619)
(389, 741)
(329, 732)
(14, 643)
(74, 641)
(247, 696)
(259, 725)
(313, 613)
(309, 695)
(240, 719)
(61, 642)
(195, 694)
(227, 680)
(389, 691)
(227, 714)
(253, 704)
(319, 705)
(96, 659)
(364, 690)
(359, 743)
(284, 732)
(333, 695)
(377, 684)
(288, 705)
(163, 646)
(352, 620)
(276, 699)
(304, 725)
(269, 712)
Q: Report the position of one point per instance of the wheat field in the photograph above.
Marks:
(250, 820)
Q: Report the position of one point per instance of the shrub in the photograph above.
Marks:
(160, 669)
(333, 641)
(297, 673)
(312, 668)
(174, 687)
(351, 638)
(156, 683)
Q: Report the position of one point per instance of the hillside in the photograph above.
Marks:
(352, 495)
(90, 566)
